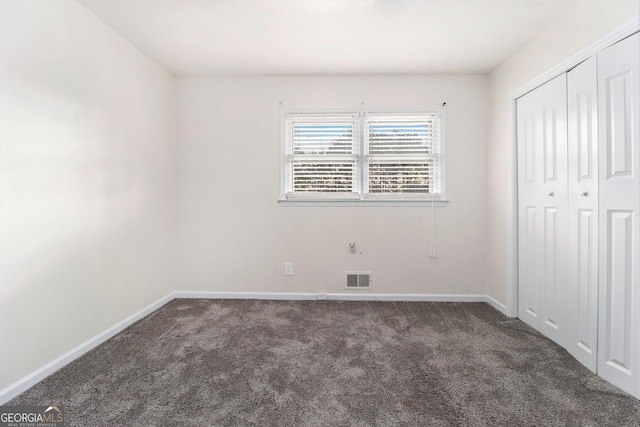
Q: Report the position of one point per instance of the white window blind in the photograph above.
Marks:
(367, 154)
(323, 155)
(402, 154)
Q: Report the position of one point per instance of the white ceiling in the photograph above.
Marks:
(316, 37)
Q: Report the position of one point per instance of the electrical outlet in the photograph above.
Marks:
(352, 248)
(288, 269)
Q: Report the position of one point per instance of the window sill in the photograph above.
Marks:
(358, 202)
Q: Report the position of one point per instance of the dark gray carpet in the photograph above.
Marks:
(330, 363)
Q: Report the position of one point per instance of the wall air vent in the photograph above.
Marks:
(358, 280)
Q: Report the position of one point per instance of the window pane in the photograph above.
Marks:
(322, 153)
(392, 177)
(323, 177)
(403, 153)
(325, 138)
(402, 135)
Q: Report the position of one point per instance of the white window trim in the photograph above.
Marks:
(361, 199)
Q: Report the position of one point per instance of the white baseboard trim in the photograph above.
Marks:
(355, 296)
(406, 297)
(496, 304)
(38, 375)
(289, 296)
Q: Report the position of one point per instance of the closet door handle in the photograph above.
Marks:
(551, 194)
(585, 194)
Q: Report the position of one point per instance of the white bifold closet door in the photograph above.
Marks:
(579, 212)
(582, 255)
(619, 302)
(542, 208)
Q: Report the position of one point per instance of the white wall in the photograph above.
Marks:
(234, 236)
(87, 183)
(585, 23)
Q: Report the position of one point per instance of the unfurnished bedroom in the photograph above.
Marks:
(320, 212)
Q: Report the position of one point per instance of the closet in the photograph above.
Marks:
(579, 212)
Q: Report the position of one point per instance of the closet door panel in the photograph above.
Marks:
(551, 287)
(530, 179)
(582, 305)
(554, 203)
(529, 295)
(619, 314)
(542, 197)
(619, 302)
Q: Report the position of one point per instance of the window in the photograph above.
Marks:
(363, 155)
(323, 155)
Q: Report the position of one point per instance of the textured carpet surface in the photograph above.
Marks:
(331, 363)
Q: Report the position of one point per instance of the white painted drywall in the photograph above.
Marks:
(585, 23)
(87, 183)
(234, 236)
